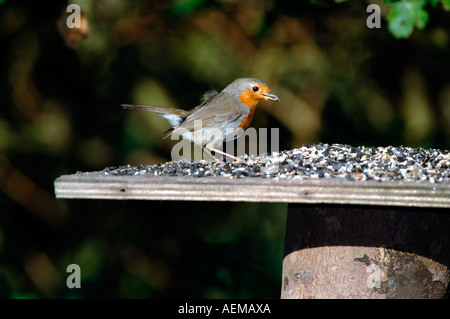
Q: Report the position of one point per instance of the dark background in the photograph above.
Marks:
(338, 81)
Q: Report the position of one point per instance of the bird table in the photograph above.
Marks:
(361, 222)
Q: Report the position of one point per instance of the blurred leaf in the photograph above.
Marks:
(405, 15)
(19, 295)
(422, 19)
(182, 8)
(446, 5)
(434, 3)
(88, 257)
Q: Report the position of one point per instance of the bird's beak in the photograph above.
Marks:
(270, 96)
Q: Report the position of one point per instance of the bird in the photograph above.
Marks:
(219, 116)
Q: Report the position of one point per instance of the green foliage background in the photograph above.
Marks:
(339, 82)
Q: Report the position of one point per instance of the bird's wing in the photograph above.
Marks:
(213, 112)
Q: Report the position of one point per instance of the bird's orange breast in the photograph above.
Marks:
(248, 98)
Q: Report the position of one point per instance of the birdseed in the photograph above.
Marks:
(312, 162)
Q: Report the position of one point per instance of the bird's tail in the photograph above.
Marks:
(174, 116)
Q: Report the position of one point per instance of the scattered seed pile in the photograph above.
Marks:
(316, 161)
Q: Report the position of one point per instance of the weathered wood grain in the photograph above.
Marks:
(96, 185)
(352, 251)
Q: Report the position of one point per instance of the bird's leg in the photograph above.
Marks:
(237, 159)
(210, 154)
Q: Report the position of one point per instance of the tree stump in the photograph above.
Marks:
(343, 251)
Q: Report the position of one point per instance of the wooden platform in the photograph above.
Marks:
(97, 185)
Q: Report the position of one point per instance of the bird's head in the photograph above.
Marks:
(250, 91)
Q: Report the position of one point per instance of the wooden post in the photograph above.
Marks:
(344, 239)
(343, 251)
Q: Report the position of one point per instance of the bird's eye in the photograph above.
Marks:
(255, 89)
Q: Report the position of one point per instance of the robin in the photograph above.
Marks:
(218, 117)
